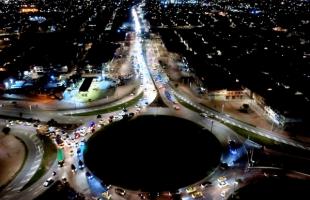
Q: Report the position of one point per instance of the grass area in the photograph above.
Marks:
(187, 105)
(112, 108)
(21, 167)
(269, 143)
(49, 157)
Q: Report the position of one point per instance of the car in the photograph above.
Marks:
(121, 113)
(73, 168)
(190, 190)
(222, 181)
(78, 151)
(205, 184)
(71, 152)
(176, 107)
(120, 191)
(89, 175)
(83, 133)
(116, 118)
(28, 124)
(233, 144)
(68, 143)
(101, 121)
(61, 163)
(204, 115)
(212, 116)
(197, 195)
(106, 195)
(224, 166)
(48, 182)
(77, 135)
(165, 196)
(81, 164)
(64, 180)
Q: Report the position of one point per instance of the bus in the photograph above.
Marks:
(60, 157)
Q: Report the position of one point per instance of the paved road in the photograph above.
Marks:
(32, 163)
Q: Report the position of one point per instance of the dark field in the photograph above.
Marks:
(152, 153)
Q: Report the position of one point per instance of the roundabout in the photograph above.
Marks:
(152, 153)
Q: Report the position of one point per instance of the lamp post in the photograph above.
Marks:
(272, 125)
(211, 126)
(235, 184)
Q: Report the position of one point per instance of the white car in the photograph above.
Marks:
(48, 182)
(223, 193)
(116, 118)
(204, 114)
(176, 107)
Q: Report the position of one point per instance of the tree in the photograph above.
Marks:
(52, 122)
(6, 130)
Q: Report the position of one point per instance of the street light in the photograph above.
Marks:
(272, 125)
(235, 184)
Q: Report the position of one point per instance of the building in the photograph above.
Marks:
(227, 94)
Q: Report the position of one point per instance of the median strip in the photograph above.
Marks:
(112, 108)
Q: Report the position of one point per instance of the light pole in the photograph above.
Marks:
(211, 126)
(235, 184)
(272, 125)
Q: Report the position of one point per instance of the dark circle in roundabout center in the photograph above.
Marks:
(152, 153)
